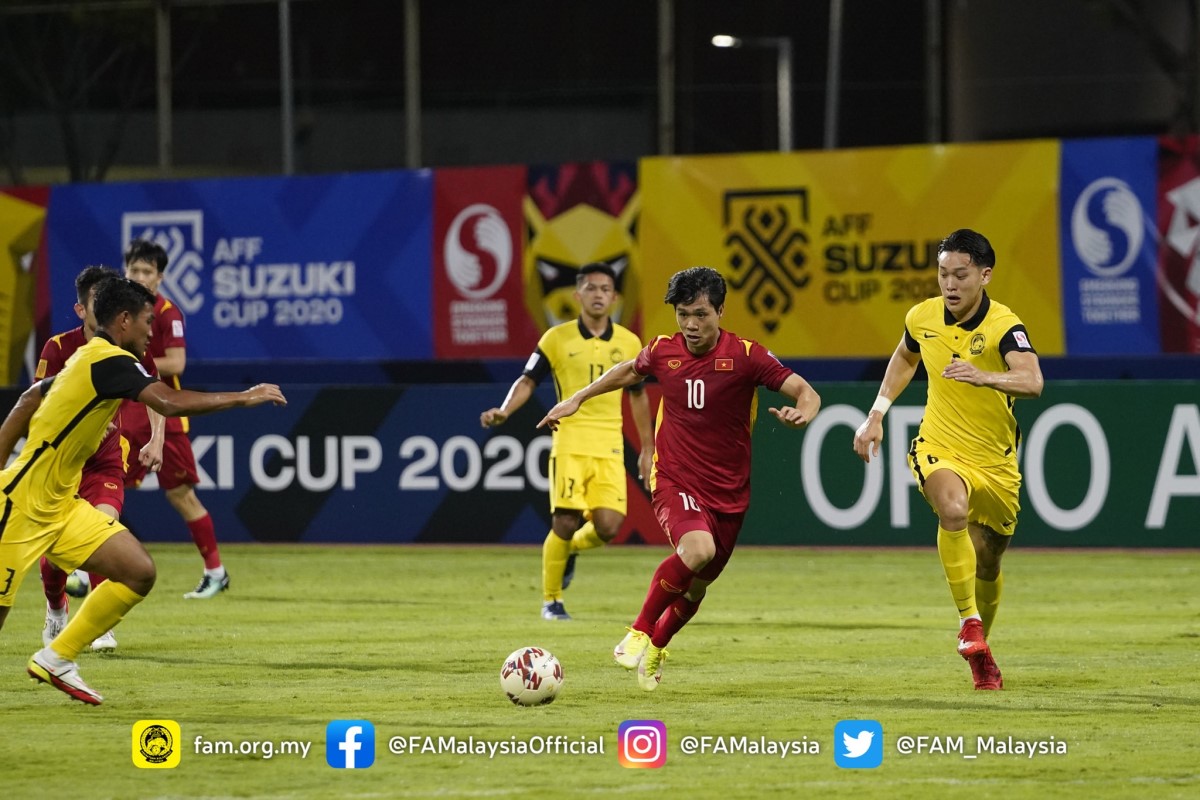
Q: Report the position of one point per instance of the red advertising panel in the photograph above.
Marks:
(1179, 253)
(478, 292)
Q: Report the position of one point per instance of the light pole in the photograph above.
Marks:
(783, 76)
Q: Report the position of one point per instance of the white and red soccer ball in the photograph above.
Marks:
(531, 676)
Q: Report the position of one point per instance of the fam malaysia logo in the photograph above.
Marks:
(181, 234)
(766, 238)
(478, 251)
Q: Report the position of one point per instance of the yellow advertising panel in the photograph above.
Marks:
(824, 252)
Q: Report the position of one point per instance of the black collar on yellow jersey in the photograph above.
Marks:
(586, 334)
(103, 335)
(976, 319)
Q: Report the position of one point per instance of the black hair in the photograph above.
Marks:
(148, 251)
(117, 295)
(593, 268)
(975, 245)
(689, 285)
(85, 281)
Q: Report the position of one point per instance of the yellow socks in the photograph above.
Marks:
(555, 551)
(987, 597)
(103, 609)
(958, 560)
(586, 538)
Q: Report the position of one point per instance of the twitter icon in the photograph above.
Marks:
(858, 744)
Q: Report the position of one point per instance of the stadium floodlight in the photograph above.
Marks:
(783, 76)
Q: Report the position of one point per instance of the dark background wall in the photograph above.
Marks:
(548, 81)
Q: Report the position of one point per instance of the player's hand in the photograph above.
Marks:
(790, 416)
(150, 456)
(492, 417)
(645, 464)
(264, 393)
(965, 372)
(564, 409)
(868, 437)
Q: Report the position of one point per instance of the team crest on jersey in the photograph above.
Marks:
(1022, 340)
(978, 341)
(616, 355)
(674, 363)
(723, 365)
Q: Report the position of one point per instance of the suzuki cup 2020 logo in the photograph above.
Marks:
(181, 234)
(1107, 227)
(766, 247)
(478, 251)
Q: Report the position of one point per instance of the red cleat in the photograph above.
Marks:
(985, 672)
(970, 639)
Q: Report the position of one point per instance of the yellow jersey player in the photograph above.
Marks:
(980, 360)
(66, 418)
(587, 458)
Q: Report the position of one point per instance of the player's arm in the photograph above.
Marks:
(618, 377)
(150, 456)
(172, 362)
(172, 402)
(900, 370)
(518, 394)
(1022, 379)
(639, 406)
(16, 424)
(807, 402)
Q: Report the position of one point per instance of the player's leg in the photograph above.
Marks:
(605, 497)
(54, 586)
(989, 580)
(109, 499)
(178, 479)
(567, 504)
(947, 493)
(98, 542)
(556, 551)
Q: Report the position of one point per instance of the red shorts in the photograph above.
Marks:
(678, 515)
(104, 486)
(178, 467)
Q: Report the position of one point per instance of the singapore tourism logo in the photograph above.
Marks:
(181, 234)
(478, 251)
(1107, 227)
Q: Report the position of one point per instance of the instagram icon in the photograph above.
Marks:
(642, 744)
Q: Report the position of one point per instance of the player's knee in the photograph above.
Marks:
(697, 552)
(607, 527)
(139, 573)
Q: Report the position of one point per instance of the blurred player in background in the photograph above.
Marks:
(979, 360)
(701, 477)
(66, 417)
(103, 483)
(587, 458)
(145, 262)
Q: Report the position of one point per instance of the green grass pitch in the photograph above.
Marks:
(1099, 649)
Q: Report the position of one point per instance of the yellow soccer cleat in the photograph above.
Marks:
(650, 670)
(630, 649)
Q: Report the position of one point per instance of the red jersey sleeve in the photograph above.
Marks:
(767, 369)
(168, 328)
(645, 362)
(51, 361)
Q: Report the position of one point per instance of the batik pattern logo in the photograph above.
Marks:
(766, 242)
(181, 234)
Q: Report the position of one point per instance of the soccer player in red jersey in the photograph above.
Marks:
(103, 482)
(145, 262)
(701, 475)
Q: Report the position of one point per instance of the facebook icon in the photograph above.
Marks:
(350, 744)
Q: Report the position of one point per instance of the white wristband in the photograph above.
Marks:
(882, 404)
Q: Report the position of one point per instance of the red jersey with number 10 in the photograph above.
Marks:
(709, 403)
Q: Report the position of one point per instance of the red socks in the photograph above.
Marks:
(54, 584)
(206, 540)
(671, 580)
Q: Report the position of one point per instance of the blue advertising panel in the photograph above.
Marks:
(1109, 246)
(327, 267)
(374, 464)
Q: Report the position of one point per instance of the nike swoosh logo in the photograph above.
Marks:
(111, 521)
(572, 355)
(929, 335)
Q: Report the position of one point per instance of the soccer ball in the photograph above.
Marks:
(531, 676)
